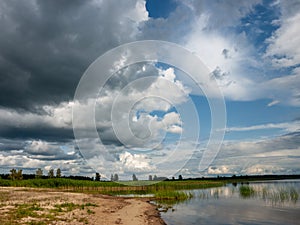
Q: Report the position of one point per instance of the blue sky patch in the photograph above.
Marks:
(260, 23)
(160, 8)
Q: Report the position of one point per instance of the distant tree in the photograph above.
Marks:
(116, 177)
(15, 175)
(58, 173)
(173, 178)
(150, 177)
(98, 177)
(112, 177)
(39, 173)
(19, 175)
(134, 178)
(155, 177)
(180, 177)
(51, 173)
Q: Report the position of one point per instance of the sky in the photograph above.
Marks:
(150, 117)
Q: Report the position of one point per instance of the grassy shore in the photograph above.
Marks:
(160, 190)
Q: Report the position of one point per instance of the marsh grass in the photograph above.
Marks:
(246, 191)
(66, 182)
(112, 188)
(165, 200)
(271, 194)
(163, 187)
(173, 195)
(294, 194)
(281, 195)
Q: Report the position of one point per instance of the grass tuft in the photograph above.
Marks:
(246, 191)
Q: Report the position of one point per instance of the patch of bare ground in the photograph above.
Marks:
(46, 206)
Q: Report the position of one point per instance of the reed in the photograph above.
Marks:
(246, 191)
(270, 194)
(172, 195)
(111, 188)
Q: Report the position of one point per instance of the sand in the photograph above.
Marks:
(47, 206)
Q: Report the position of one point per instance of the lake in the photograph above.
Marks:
(267, 202)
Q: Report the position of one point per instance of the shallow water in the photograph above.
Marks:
(271, 202)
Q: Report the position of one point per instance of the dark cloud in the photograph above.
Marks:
(11, 144)
(45, 46)
(54, 156)
(43, 132)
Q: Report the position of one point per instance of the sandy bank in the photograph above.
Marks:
(44, 206)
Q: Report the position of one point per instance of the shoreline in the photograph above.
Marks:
(19, 205)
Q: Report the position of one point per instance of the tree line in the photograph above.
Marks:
(51, 173)
(18, 174)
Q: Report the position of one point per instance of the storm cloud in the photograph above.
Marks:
(47, 45)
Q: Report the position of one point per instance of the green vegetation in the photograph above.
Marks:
(165, 200)
(160, 190)
(38, 214)
(112, 188)
(90, 211)
(27, 210)
(280, 195)
(173, 195)
(270, 194)
(246, 191)
(294, 194)
(15, 175)
(66, 207)
(166, 193)
(70, 206)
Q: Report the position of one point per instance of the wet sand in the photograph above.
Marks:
(48, 206)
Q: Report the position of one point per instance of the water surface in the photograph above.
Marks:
(271, 202)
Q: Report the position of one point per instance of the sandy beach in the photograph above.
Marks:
(48, 206)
